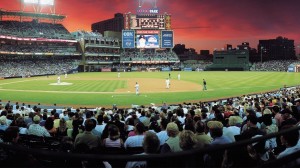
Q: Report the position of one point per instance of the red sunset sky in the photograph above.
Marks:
(226, 21)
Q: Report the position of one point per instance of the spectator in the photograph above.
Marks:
(113, 139)
(49, 125)
(201, 137)
(87, 138)
(172, 144)
(150, 146)
(3, 124)
(187, 140)
(36, 129)
(136, 140)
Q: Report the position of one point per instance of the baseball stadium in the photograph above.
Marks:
(100, 99)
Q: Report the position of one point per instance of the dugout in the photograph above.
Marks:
(232, 60)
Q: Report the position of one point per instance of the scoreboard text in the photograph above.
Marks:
(148, 22)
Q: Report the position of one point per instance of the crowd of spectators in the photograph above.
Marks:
(149, 55)
(98, 50)
(95, 59)
(200, 65)
(169, 128)
(34, 29)
(155, 66)
(25, 66)
(274, 65)
(62, 48)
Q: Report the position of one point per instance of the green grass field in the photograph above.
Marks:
(99, 89)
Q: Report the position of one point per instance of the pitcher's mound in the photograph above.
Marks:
(61, 84)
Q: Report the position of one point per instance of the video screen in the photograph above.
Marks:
(147, 41)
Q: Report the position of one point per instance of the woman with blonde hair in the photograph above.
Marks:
(113, 139)
(62, 128)
(187, 140)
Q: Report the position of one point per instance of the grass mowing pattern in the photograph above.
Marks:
(77, 85)
(219, 84)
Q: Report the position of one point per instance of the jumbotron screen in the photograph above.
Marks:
(147, 41)
(41, 2)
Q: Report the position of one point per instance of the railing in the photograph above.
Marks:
(191, 158)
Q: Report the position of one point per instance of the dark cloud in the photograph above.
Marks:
(219, 21)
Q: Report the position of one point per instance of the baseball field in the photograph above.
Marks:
(105, 89)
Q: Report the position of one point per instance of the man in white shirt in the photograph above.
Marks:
(168, 83)
(58, 80)
(137, 87)
(137, 140)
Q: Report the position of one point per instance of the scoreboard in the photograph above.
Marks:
(148, 22)
(147, 31)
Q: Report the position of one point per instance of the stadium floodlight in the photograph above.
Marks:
(39, 2)
(46, 2)
(152, 2)
(31, 1)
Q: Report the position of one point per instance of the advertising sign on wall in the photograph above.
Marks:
(167, 40)
(128, 37)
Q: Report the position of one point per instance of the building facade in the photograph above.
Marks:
(277, 49)
(114, 24)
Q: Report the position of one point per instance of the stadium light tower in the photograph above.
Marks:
(38, 5)
(261, 51)
(153, 3)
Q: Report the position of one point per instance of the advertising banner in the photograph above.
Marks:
(128, 39)
(187, 69)
(167, 40)
(106, 70)
(166, 69)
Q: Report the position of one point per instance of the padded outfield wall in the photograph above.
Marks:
(233, 60)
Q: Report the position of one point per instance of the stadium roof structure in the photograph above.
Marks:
(22, 15)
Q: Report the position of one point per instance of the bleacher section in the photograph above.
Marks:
(33, 29)
(275, 65)
(24, 66)
(149, 55)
